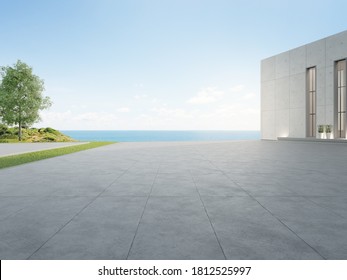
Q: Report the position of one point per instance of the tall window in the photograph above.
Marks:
(341, 98)
(311, 102)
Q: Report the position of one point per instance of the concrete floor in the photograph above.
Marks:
(8, 149)
(228, 200)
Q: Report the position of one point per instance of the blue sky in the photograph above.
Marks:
(113, 64)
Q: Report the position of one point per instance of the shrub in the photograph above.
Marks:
(9, 136)
(328, 128)
(51, 130)
(3, 129)
(13, 131)
(49, 138)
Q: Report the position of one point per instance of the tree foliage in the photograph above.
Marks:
(21, 96)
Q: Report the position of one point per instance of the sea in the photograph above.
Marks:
(161, 135)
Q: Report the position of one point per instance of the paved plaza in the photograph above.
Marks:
(206, 200)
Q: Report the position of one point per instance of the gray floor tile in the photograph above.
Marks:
(128, 189)
(258, 186)
(24, 232)
(175, 228)
(337, 205)
(104, 230)
(319, 227)
(217, 185)
(310, 187)
(131, 184)
(174, 187)
(247, 231)
(10, 205)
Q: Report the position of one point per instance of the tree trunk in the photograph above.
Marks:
(20, 132)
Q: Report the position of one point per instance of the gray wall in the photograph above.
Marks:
(283, 87)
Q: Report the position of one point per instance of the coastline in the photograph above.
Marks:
(161, 135)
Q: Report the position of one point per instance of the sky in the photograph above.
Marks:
(157, 64)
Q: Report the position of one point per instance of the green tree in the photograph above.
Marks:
(21, 96)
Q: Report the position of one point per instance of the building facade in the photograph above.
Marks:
(303, 91)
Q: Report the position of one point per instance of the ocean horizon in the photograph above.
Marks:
(161, 135)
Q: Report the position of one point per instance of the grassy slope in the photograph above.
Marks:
(8, 161)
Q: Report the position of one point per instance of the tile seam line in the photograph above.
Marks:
(307, 197)
(142, 214)
(21, 209)
(314, 249)
(326, 208)
(285, 225)
(78, 213)
(69, 196)
(208, 217)
(278, 219)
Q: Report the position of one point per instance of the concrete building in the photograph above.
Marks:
(305, 88)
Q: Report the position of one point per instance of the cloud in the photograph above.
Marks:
(69, 120)
(56, 116)
(233, 108)
(237, 88)
(68, 116)
(163, 111)
(95, 117)
(140, 96)
(250, 95)
(206, 96)
(237, 116)
(123, 110)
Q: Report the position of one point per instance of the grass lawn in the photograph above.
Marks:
(9, 161)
